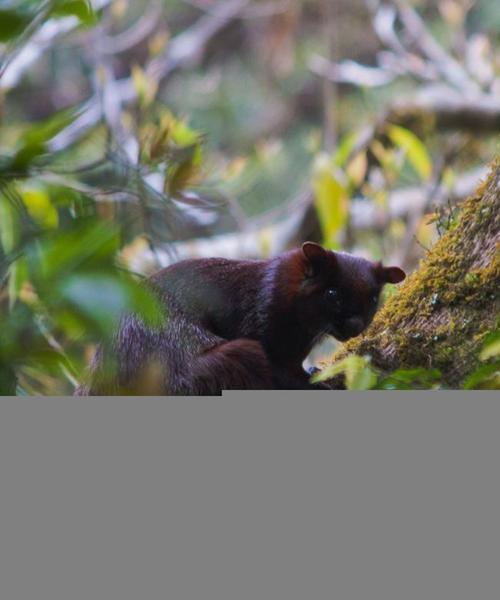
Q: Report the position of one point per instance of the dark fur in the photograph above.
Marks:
(235, 324)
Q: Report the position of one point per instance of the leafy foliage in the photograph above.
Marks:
(63, 283)
(487, 375)
(358, 373)
(70, 203)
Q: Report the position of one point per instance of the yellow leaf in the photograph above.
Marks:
(397, 229)
(146, 87)
(358, 373)
(380, 198)
(182, 134)
(158, 43)
(345, 148)
(265, 240)
(134, 249)
(356, 169)
(449, 178)
(39, 207)
(425, 233)
(118, 9)
(27, 293)
(490, 350)
(181, 176)
(159, 144)
(331, 200)
(235, 168)
(453, 12)
(415, 150)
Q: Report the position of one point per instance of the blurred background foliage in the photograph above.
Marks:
(135, 133)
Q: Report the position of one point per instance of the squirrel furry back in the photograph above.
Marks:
(240, 324)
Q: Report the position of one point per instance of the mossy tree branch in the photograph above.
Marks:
(442, 312)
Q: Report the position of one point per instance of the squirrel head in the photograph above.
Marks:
(340, 292)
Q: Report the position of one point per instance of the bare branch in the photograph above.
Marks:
(451, 69)
(40, 41)
(349, 71)
(276, 230)
(262, 10)
(330, 91)
(184, 50)
(449, 109)
(133, 35)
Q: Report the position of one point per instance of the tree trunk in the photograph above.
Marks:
(440, 315)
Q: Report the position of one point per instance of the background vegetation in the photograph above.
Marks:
(136, 133)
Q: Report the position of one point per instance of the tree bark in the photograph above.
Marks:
(440, 315)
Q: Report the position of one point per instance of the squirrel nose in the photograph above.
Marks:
(355, 325)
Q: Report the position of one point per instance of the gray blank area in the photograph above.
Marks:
(294, 496)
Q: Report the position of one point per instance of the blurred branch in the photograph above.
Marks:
(451, 69)
(450, 97)
(448, 110)
(330, 92)
(13, 50)
(135, 34)
(261, 10)
(184, 50)
(349, 71)
(367, 214)
(41, 39)
(425, 61)
(275, 231)
(417, 211)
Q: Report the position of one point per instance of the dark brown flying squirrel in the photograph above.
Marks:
(241, 324)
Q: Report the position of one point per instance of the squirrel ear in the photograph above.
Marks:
(392, 274)
(316, 256)
(313, 251)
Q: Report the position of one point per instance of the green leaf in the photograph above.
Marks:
(491, 346)
(88, 244)
(358, 373)
(8, 380)
(81, 9)
(102, 298)
(415, 150)
(43, 131)
(485, 377)
(33, 142)
(24, 157)
(18, 275)
(19, 334)
(408, 379)
(12, 23)
(9, 226)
